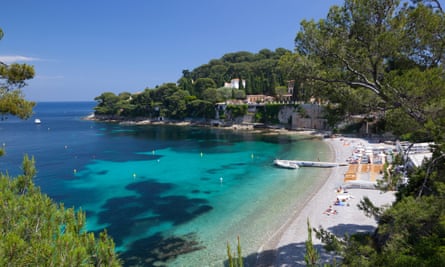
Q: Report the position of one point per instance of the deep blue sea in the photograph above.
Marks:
(168, 195)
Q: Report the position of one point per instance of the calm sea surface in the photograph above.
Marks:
(164, 190)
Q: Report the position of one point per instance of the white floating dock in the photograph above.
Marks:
(294, 164)
(288, 164)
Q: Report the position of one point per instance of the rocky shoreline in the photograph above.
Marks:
(250, 127)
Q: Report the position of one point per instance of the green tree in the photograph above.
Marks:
(237, 261)
(163, 91)
(143, 104)
(212, 95)
(239, 94)
(201, 109)
(269, 113)
(13, 78)
(220, 73)
(236, 110)
(419, 242)
(202, 84)
(175, 105)
(186, 82)
(311, 257)
(107, 104)
(237, 57)
(37, 232)
(394, 51)
(225, 93)
(125, 105)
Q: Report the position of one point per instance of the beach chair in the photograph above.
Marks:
(364, 168)
(350, 177)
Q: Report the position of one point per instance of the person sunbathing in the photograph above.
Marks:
(337, 202)
(330, 211)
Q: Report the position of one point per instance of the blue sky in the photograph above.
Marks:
(82, 48)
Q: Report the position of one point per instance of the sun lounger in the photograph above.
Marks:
(364, 168)
(350, 177)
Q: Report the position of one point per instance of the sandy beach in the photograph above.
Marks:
(287, 247)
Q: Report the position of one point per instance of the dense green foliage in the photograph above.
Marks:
(12, 79)
(237, 110)
(168, 100)
(312, 256)
(268, 113)
(371, 56)
(37, 232)
(260, 71)
(235, 261)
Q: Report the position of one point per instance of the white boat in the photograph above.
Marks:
(288, 164)
(37, 121)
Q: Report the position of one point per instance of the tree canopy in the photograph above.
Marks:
(168, 100)
(392, 51)
(37, 232)
(12, 79)
(260, 71)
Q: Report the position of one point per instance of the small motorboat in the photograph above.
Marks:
(37, 121)
(288, 164)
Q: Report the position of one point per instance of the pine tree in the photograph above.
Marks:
(38, 232)
(311, 257)
(238, 261)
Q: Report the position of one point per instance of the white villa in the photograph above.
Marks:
(235, 84)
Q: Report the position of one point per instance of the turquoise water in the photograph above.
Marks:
(167, 195)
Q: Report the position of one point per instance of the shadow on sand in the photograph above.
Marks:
(292, 255)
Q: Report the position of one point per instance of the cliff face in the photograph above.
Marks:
(305, 116)
(310, 116)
